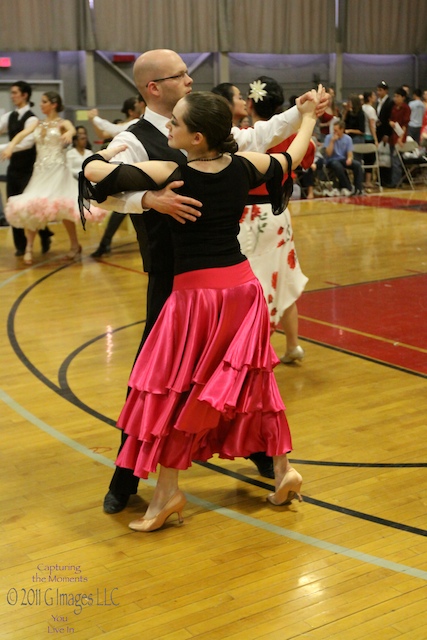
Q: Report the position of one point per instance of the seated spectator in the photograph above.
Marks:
(417, 114)
(308, 176)
(339, 158)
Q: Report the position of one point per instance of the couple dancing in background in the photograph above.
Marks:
(51, 193)
(213, 390)
(162, 78)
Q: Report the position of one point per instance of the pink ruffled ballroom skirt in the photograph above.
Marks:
(203, 382)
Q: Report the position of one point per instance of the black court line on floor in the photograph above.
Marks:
(319, 503)
(65, 392)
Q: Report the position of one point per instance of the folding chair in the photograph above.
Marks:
(413, 164)
(406, 147)
(364, 148)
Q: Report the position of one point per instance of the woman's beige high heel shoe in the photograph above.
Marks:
(289, 489)
(28, 256)
(73, 254)
(174, 505)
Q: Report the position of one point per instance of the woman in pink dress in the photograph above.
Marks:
(203, 382)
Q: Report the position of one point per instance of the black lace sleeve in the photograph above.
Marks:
(125, 177)
(279, 191)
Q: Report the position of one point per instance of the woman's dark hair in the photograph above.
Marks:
(56, 99)
(355, 102)
(400, 91)
(24, 87)
(129, 105)
(270, 103)
(225, 89)
(80, 129)
(210, 114)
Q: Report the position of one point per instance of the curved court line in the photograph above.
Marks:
(66, 393)
(227, 513)
(319, 503)
(361, 356)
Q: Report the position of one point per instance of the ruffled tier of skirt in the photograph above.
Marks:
(35, 213)
(203, 382)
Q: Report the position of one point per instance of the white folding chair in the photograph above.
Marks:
(364, 148)
(407, 147)
(412, 165)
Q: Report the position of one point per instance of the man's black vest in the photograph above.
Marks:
(154, 235)
(20, 161)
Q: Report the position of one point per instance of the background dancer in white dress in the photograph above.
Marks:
(52, 191)
(268, 240)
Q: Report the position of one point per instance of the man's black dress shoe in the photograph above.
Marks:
(19, 252)
(46, 240)
(115, 503)
(264, 464)
(101, 250)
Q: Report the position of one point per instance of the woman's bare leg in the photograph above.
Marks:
(287, 482)
(70, 227)
(28, 255)
(166, 487)
(289, 321)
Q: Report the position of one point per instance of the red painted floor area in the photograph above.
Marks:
(386, 201)
(384, 320)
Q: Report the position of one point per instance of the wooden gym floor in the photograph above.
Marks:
(350, 562)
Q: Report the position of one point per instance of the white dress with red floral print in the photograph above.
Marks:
(268, 243)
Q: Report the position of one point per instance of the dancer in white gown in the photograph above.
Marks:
(52, 191)
(265, 239)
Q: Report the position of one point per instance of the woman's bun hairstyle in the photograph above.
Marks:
(210, 115)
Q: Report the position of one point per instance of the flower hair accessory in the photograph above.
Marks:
(257, 91)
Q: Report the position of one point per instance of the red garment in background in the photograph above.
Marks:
(306, 162)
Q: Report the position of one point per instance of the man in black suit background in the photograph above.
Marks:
(384, 107)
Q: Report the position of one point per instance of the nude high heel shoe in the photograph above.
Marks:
(28, 256)
(174, 505)
(291, 356)
(73, 254)
(289, 489)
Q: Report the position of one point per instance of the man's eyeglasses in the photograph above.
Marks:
(177, 77)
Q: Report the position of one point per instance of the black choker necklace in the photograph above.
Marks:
(206, 159)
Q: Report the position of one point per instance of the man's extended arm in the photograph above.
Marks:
(266, 134)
